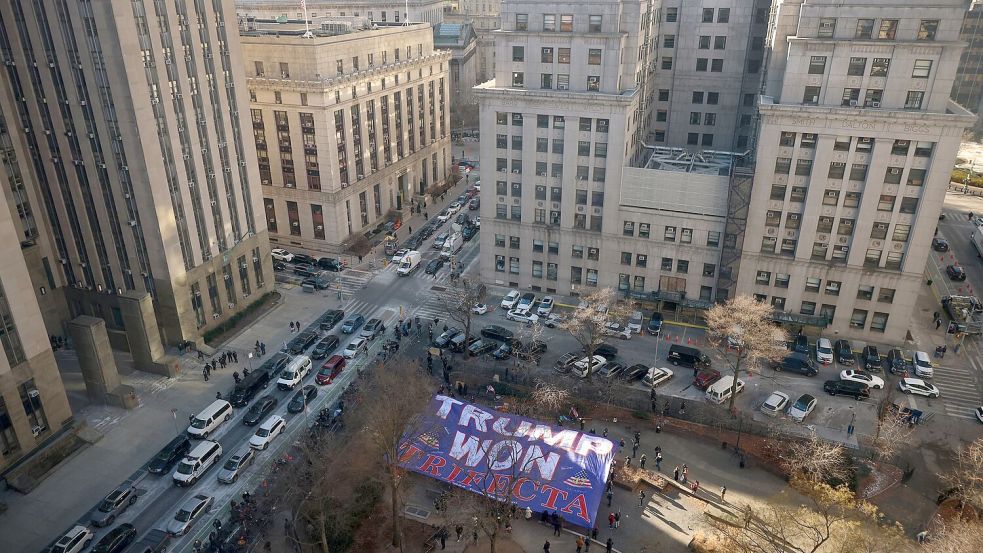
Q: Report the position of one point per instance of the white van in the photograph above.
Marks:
(719, 391)
(923, 364)
(295, 372)
(211, 418)
(199, 460)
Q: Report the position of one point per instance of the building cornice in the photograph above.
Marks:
(327, 83)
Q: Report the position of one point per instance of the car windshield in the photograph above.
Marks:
(185, 468)
(262, 432)
(231, 464)
(298, 397)
(823, 349)
(183, 515)
(198, 423)
(107, 506)
(289, 375)
(801, 405)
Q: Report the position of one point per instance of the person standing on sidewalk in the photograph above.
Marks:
(610, 496)
(658, 461)
(723, 490)
(609, 546)
(641, 461)
(610, 515)
(641, 498)
(617, 519)
(675, 473)
(580, 544)
(546, 547)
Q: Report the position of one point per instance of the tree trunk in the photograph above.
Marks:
(397, 521)
(733, 385)
(491, 542)
(324, 536)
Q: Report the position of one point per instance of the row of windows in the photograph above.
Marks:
(722, 15)
(887, 29)
(563, 55)
(585, 124)
(561, 80)
(583, 147)
(858, 319)
(821, 251)
(860, 144)
(832, 288)
(566, 23)
(845, 226)
(670, 234)
(283, 68)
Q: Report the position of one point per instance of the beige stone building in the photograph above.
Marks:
(127, 121)
(967, 91)
(559, 122)
(857, 138)
(347, 125)
(383, 11)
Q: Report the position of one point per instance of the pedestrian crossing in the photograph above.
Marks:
(960, 388)
(442, 276)
(351, 281)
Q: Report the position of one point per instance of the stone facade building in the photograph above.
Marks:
(857, 138)
(382, 11)
(347, 125)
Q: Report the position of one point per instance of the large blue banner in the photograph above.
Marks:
(532, 464)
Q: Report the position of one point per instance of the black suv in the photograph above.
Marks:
(300, 344)
(800, 344)
(330, 264)
(497, 333)
(331, 318)
(167, 457)
(856, 390)
(303, 259)
(870, 358)
(259, 410)
(797, 363)
(897, 363)
(324, 347)
(444, 339)
(843, 352)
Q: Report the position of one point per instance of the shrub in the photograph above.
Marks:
(231, 323)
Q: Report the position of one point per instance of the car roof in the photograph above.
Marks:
(806, 398)
(193, 502)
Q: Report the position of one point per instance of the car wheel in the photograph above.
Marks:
(266, 445)
(857, 398)
(228, 417)
(110, 520)
(832, 394)
(674, 363)
(935, 396)
(133, 500)
(906, 391)
(234, 478)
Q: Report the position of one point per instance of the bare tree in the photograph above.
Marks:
(399, 395)
(743, 326)
(588, 323)
(357, 244)
(813, 458)
(831, 520)
(956, 536)
(525, 338)
(459, 299)
(966, 477)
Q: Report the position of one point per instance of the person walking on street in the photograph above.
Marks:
(546, 547)
(641, 461)
(675, 473)
(459, 530)
(443, 538)
(610, 496)
(204, 372)
(641, 498)
(556, 527)
(580, 544)
(723, 490)
(685, 473)
(617, 519)
(634, 449)
(658, 461)
(610, 518)
(609, 546)
(291, 326)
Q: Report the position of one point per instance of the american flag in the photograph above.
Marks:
(578, 480)
(430, 438)
(303, 4)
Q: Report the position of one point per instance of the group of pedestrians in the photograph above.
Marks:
(220, 362)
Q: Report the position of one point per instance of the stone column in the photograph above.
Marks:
(95, 357)
(142, 333)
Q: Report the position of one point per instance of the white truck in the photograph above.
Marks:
(452, 245)
(978, 241)
(409, 263)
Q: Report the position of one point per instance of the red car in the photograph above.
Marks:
(705, 378)
(330, 370)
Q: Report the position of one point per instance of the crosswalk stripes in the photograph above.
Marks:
(960, 394)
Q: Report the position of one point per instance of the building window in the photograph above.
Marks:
(909, 205)
(914, 99)
(885, 295)
(817, 65)
(857, 67)
(778, 192)
(708, 15)
(827, 26)
(858, 171)
(776, 301)
(894, 261)
(672, 14)
(518, 53)
(592, 277)
(594, 57)
(566, 23)
(792, 221)
(518, 79)
(723, 15)
(9, 336)
(803, 167)
(629, 228)
(773, 218)
(666, 264)
(768, 244)
(916, 177)
(872, 258)
(667, 63)
(782, 280)
(878, 231)
(819, 250)
(669, 41)
(845, 227)
(922, 69)
(886, 202)
(825, 225)
(549, 23)
(763, 278)
(626, 258)
(788, 247)
(865, 29)
(682, 266)
(576, 275)
(709, 269)
(522, 22)
(924, 149)
(879, 67)
(594, 24)
(808, 308)
(837, 170)
(641, 260)
(892, 175)
(704, 43)
(927, 29)
(716, 65)
(858, 319)
(878, 323)
(833, 287)
(514, 265)
(537, 269)
(888, 29)
(713, 238)
(851, 199)
(546, 55)
(670, 234)
(798, 194)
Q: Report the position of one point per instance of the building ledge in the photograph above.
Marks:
(490, 89)
(954, 114)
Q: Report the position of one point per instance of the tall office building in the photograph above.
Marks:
(708, 66)
(562, 117)
(857, 138)
(136, 175)
(968, 88)
(382, 11)
(348, 125)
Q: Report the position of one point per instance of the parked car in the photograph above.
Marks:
(462, 342)
(843, 352)
(454, 207)
(235, 465)
(611, 370)
(635, 372)
(469, 232)
(445, 337)
(522, 316)
(545, 306)
(352, 323)
(304, 270)
(918, 387)
(635, 322)
(510, 299)
(656, 376)
(300, 400)
(330, 264)
(281, 254)
(802, 407)
(955, 272)
(189, 513)
(940, 244)
(655, 323)
(303, 258)
(530, 350)
(265, 434)
(169, 455)
(355, 347)
(862, 377)
(398, 256)
(796, 362)
(279, 266)
(114, 504)
(74, 541)
(871, 359)
(479, 347)
(474, 204)
(433, 266)
(800, 344)
(566, 361)
(776, 403)
(687, 357)
(438, 241)
(923, 365)
(330, 318)
(260, 409)
(979, 413)
(479, 309)
(705, 378)
(616, 330)
(324, 347)
(824, 351)
(527, 300)
(552, 321)
(330, 370)
(503, 351)
(856, 390)
(303, 341)
(596, 364)
(607, 350)
(117, 540)
(496, 332)
(897, 361)
(372, 329)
